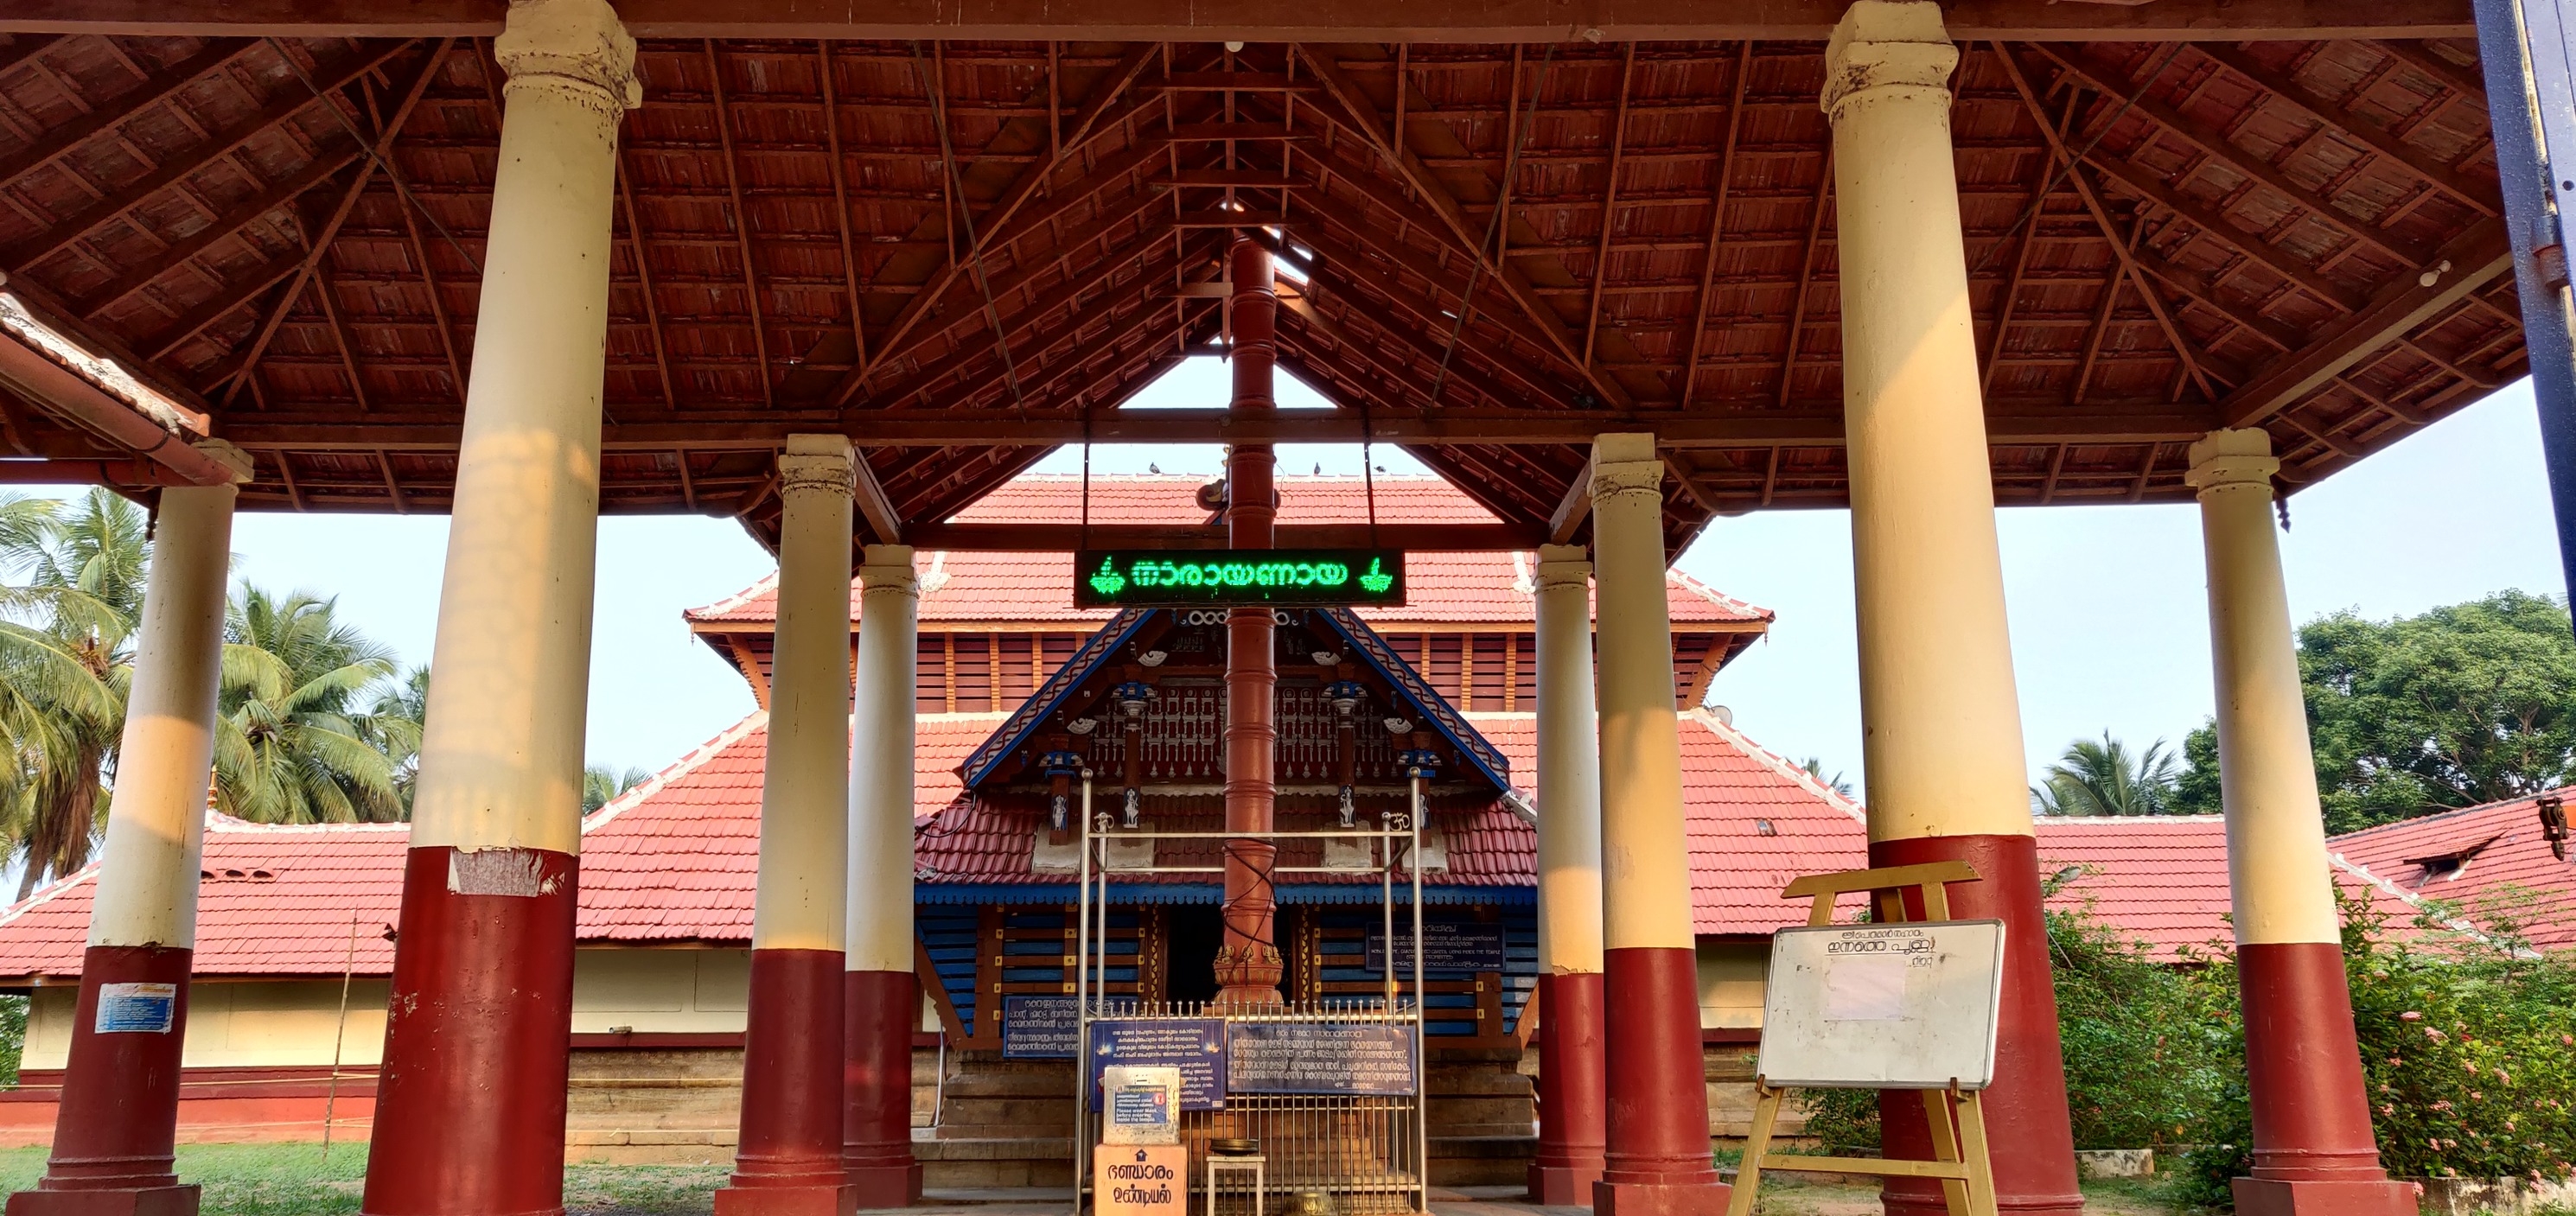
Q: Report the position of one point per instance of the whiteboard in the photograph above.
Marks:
(1903, 1006)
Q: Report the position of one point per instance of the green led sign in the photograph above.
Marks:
(1123, 578)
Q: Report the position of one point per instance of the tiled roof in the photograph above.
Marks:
(1443, 589)
(273, 900)
(2507, 872)
(2162, 879)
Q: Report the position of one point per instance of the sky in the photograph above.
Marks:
(2108, 615)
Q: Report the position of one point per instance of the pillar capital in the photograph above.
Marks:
(816, 464)
(888, 568)
(1891, 49)
(1624, 464)
(576, 46)
(1563, 568)
(2232, 459)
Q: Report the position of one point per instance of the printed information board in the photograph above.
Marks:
(1447, 949)
(1040, 1028)
(1141, 1179)
(1196, 1046)
(1143, 1104)
(1902, 1006)
(1319, 1058)
(136, 1008)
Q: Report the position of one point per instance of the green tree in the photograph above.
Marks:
(2461, 705)
(78, 580)
(2102, 778)
(2196, 790)
(1815, 767)
(308, 729)
(601, 786)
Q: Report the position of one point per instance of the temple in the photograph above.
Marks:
(1611, 272)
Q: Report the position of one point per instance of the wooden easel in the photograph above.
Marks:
(1958, 1120)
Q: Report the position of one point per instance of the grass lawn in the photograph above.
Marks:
(294, 1180)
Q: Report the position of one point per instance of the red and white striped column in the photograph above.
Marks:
(2314, 1153)
(1571, 1129)
(787, 1158)
(470, 1105)
(883, 996)
(1657, 1161)
(119, 1116)
(1941, 717)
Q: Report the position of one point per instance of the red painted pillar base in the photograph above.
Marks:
(881, 1008)
(1570, 1090)
(787, 1161)
(478, 1039)
(119, 1114)
(1657, 1162)
(2032, 1139)
(2314, 1151)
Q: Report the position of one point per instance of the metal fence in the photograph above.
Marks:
(1341, 1153)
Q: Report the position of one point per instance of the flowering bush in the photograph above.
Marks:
(2468, 1052)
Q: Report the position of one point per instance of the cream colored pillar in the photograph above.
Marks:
(805, 786)
(788, 1155)
(884, 999)
(470, 1115)
(119, 1115)
(147, 882)
(1941, 723)
(1657, 1157)
(2314, 1149)
(1571, 1134)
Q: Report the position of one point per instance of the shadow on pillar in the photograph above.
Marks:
(2026, 1119)
(787, 1160)
(1571, 1135)
(1657, 1160)
(876, 1088)
(119, 1116)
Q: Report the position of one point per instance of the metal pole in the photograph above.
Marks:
(1421, 1013)
(2523, 46)
(1082, 1002)
(339, 1035)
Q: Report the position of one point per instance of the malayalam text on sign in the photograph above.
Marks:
(1040, 1028)
(1319, 1058)
(1196, 1046)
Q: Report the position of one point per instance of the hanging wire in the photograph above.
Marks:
(365, 145)
(1083, 539)
(2058, 171)
(1368, 467)
(1494, 226)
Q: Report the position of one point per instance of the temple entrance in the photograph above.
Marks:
(1196, 932)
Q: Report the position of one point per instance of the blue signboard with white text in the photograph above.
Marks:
(1196, 1046)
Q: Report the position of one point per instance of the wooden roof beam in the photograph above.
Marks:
(760, 430)
(153, 91)
(2339, 118)
(1321, 21)
(2476, 258)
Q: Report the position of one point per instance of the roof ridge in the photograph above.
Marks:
(2129, 819)
(50, 891)
(764, 584)
(1718, 597)
(677, 769)
(1777, 763)
(2409, 898)
(2455, 812)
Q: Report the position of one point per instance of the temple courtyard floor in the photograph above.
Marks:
(298, 1180)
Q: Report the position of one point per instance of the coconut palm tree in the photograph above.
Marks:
(601, 786)
(1815, 767)
(306, 732)
(65, 653)
(2102, 778)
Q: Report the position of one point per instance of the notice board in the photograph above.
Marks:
(1319, 1058)
(1898, 1006)
(1040, 1028)
(1196, 1046)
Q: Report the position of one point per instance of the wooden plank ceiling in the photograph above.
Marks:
(962, 252)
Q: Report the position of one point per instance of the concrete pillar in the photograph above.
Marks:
(883, 996)
(1248, 965)
(470, 1108)
(1942, 723)
(1657, 1162)
(119, 1114)
(1571, 1132)
(2313, 1149)
(788, 1159)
